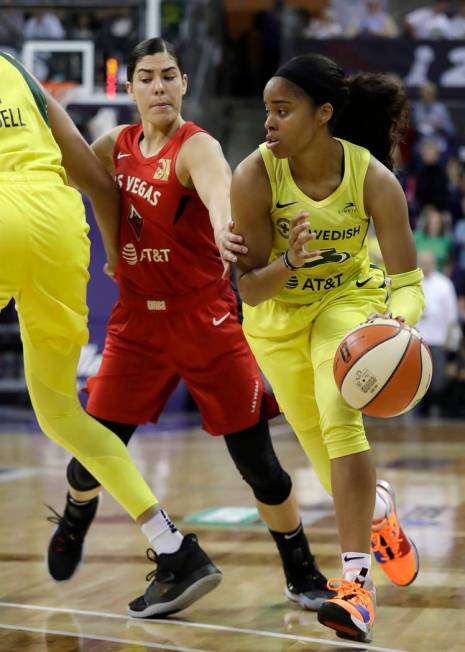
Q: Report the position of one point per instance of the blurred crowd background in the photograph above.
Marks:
(230, 49)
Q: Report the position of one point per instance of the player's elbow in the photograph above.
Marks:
(253, 303)
(250, 299)
(248, 292)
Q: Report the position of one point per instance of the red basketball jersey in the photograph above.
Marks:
(166, 238)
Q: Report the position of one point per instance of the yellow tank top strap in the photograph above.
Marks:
(270, 164)
(360, 160)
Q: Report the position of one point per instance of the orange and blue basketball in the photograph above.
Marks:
(383, 367)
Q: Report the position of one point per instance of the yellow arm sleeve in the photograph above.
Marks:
(407, 299)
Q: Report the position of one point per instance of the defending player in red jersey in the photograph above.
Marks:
(174, 303)
(176, 317)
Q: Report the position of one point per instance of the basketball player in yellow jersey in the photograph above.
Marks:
(303, 202)
(44, 253)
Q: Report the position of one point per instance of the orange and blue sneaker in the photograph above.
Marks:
(352, 612)
(393, 550)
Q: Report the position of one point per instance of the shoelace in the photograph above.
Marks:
(152, 556)
(70, 535)
(350, 591)
(383, 539)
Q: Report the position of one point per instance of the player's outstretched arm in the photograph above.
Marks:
(88, 173)
(202, 164)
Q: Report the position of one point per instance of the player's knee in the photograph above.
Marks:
(264, 474)
(270, 489)
(254, 456)
(79, 477)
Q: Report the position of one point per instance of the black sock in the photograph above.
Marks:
(77, 510)
(294, 550)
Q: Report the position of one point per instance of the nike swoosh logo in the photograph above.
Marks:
(169, 577)
(217, 322)
(279, 205)
(360, 284)
(121, 155)
(291, 536)
(346, 558)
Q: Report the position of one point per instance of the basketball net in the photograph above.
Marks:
(61, 90)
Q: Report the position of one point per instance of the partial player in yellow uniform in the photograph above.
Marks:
(44, 254)
(303, 201)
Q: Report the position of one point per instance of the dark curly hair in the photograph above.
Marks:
(375, 116)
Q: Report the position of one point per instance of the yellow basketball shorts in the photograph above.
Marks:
(295, 346)
(44, 255)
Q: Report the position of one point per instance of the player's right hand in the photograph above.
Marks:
(385, 315)
(229, 244)
(299, 235)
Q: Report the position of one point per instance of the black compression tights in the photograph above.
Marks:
(254, 456)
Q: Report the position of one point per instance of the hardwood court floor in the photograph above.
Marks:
(190, 473)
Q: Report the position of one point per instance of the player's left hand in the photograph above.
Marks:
(385, 315)
(229, 244)
(109, 271)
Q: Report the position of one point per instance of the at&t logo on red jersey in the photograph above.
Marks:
(132, 256)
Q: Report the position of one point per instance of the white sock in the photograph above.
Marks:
(352, 564)
(381, 508)
(163, 535)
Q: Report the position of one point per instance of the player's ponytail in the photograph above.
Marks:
(375, 115)
(368, 109)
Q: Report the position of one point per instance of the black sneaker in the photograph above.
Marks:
(306, 585)
(180, 579)
(65, 550)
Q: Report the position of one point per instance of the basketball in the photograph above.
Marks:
(383, 368)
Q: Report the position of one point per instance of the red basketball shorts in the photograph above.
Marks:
(152, 344)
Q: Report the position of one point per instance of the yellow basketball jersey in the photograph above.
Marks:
(339, 221)
(26, 140)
